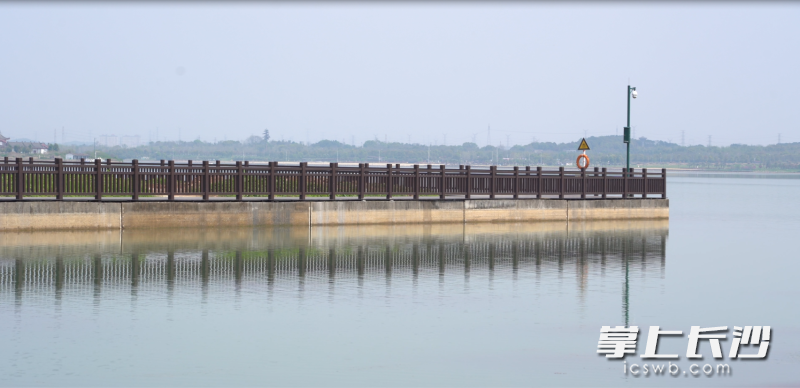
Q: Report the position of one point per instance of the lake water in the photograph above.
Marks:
(411, 305)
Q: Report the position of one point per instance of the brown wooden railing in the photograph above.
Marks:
(203, 180)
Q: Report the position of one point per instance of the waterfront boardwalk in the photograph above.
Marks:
(59, 195)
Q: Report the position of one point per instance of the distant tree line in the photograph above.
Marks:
(25, 148)
(606, 151)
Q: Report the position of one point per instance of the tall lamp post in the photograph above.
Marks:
(627, 133)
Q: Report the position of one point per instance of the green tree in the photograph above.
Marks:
(253, 140)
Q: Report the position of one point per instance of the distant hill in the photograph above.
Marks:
(606, 151)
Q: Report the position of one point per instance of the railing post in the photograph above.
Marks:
(238, 182)
(416, 181)
(540, 189)
(361, 182)
(460, 186)
(303, 180)
(135, 182)
(527, 176)
(205, 183)
(469, 182)
(428, 180)
(443, 177)
(400, 177)
(644, 183)
(516, 182)
(333, 182)
(81, 187)
(561, 183)
(108, 170)
(493, 172)
(166, 174)
(605, 182)
(245, 170)
(388, 181)
(273, 168)
(59, 181)
(98, 180)
(428, 175)
(595, 175)
(625, 182)
(171, 180)
(664, 177)
(583, 183)
(192, 177)
(20, 180)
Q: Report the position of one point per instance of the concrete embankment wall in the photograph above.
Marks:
(47, 215)
(59, 215)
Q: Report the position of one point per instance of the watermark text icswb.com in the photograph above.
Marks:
(617, 342)
(674, 369)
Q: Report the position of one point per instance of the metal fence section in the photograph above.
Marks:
(204, 180)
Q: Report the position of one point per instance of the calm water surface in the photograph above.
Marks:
(436, 305)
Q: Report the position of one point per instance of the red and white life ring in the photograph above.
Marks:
(578, 161)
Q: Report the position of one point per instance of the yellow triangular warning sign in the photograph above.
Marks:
(584, 145)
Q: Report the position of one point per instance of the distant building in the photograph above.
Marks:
(39, 148)
(108, 140)
(33, 147)
(75, 156)
(3, 140)
(130, 141)
(114, 141)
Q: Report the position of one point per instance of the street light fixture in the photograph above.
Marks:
(627, 139)
(627, 133)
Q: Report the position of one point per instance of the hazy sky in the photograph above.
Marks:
(401, 71)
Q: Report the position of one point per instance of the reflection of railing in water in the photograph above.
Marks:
(640, 252)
